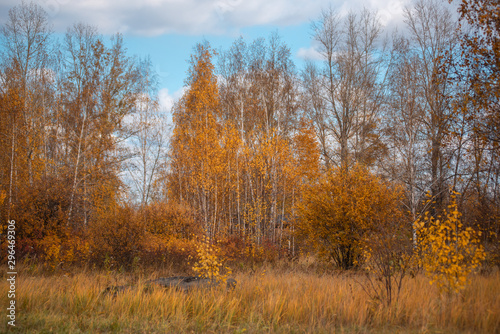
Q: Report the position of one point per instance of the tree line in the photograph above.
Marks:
(264, 158)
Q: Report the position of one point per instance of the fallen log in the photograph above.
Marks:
(181, 283)
(188, 283)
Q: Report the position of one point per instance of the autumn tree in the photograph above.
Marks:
(239, 152)
(62, 132)
(481, 51)
(11, 108)
(97, 91)
(343, 209)
(26, 86)
(476, 71)
(197, 166)
(62, 123)
(28, 91)
(260, 97)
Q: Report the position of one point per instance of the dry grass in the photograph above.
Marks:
(277, 301)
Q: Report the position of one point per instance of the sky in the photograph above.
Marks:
(167, 30)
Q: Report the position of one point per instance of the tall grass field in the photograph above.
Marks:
(273, 301)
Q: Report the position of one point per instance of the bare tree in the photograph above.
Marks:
(314, 104)
(149, 134)
(432, 34)
(404, 125)
(352, 80)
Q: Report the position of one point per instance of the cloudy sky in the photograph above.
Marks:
(167, 30)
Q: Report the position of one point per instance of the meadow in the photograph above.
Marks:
(283, 300)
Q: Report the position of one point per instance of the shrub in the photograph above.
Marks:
(167, 251)
(171, 220)
(388, 258)
(209, 262)
(449, 251)
(345, 207)
(116, 238)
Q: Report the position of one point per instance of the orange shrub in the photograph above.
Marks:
(115, 238)
(169, 251)
(344, 208)
(171, 220)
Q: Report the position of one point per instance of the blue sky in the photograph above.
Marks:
(170, 53)
(167, 30)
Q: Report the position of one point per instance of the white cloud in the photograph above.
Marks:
(391, 12)
(310, 53)
(156, 17)
(168, 100)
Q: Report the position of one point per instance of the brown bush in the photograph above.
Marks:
(158, 250)
(116, 238)
(40, 213)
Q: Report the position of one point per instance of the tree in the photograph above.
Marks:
(480, 59)
(404, 124)
(260, 100)
(314, 104)
(432, 35)
(97, 92)
(258, 88)
(343, 209)
(26, 77)
(62, 133)
(197, 165)
(148, 130)
(476, 71)
(350, 89)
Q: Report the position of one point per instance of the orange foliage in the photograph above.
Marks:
(171, 220)
(343, 209)
(115, 237)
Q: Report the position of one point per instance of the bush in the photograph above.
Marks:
(41, 214)
(345, 207)
(116, 238)
(159, 250)
(171, 220)
(209, 261)
(449, 251)
(388, 258)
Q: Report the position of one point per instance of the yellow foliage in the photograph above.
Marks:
(449, 251)
(343, 209)
(52, 247)
(64, 249)
(170, 220)
(209, 264)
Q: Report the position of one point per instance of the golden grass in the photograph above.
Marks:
(277, 301)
